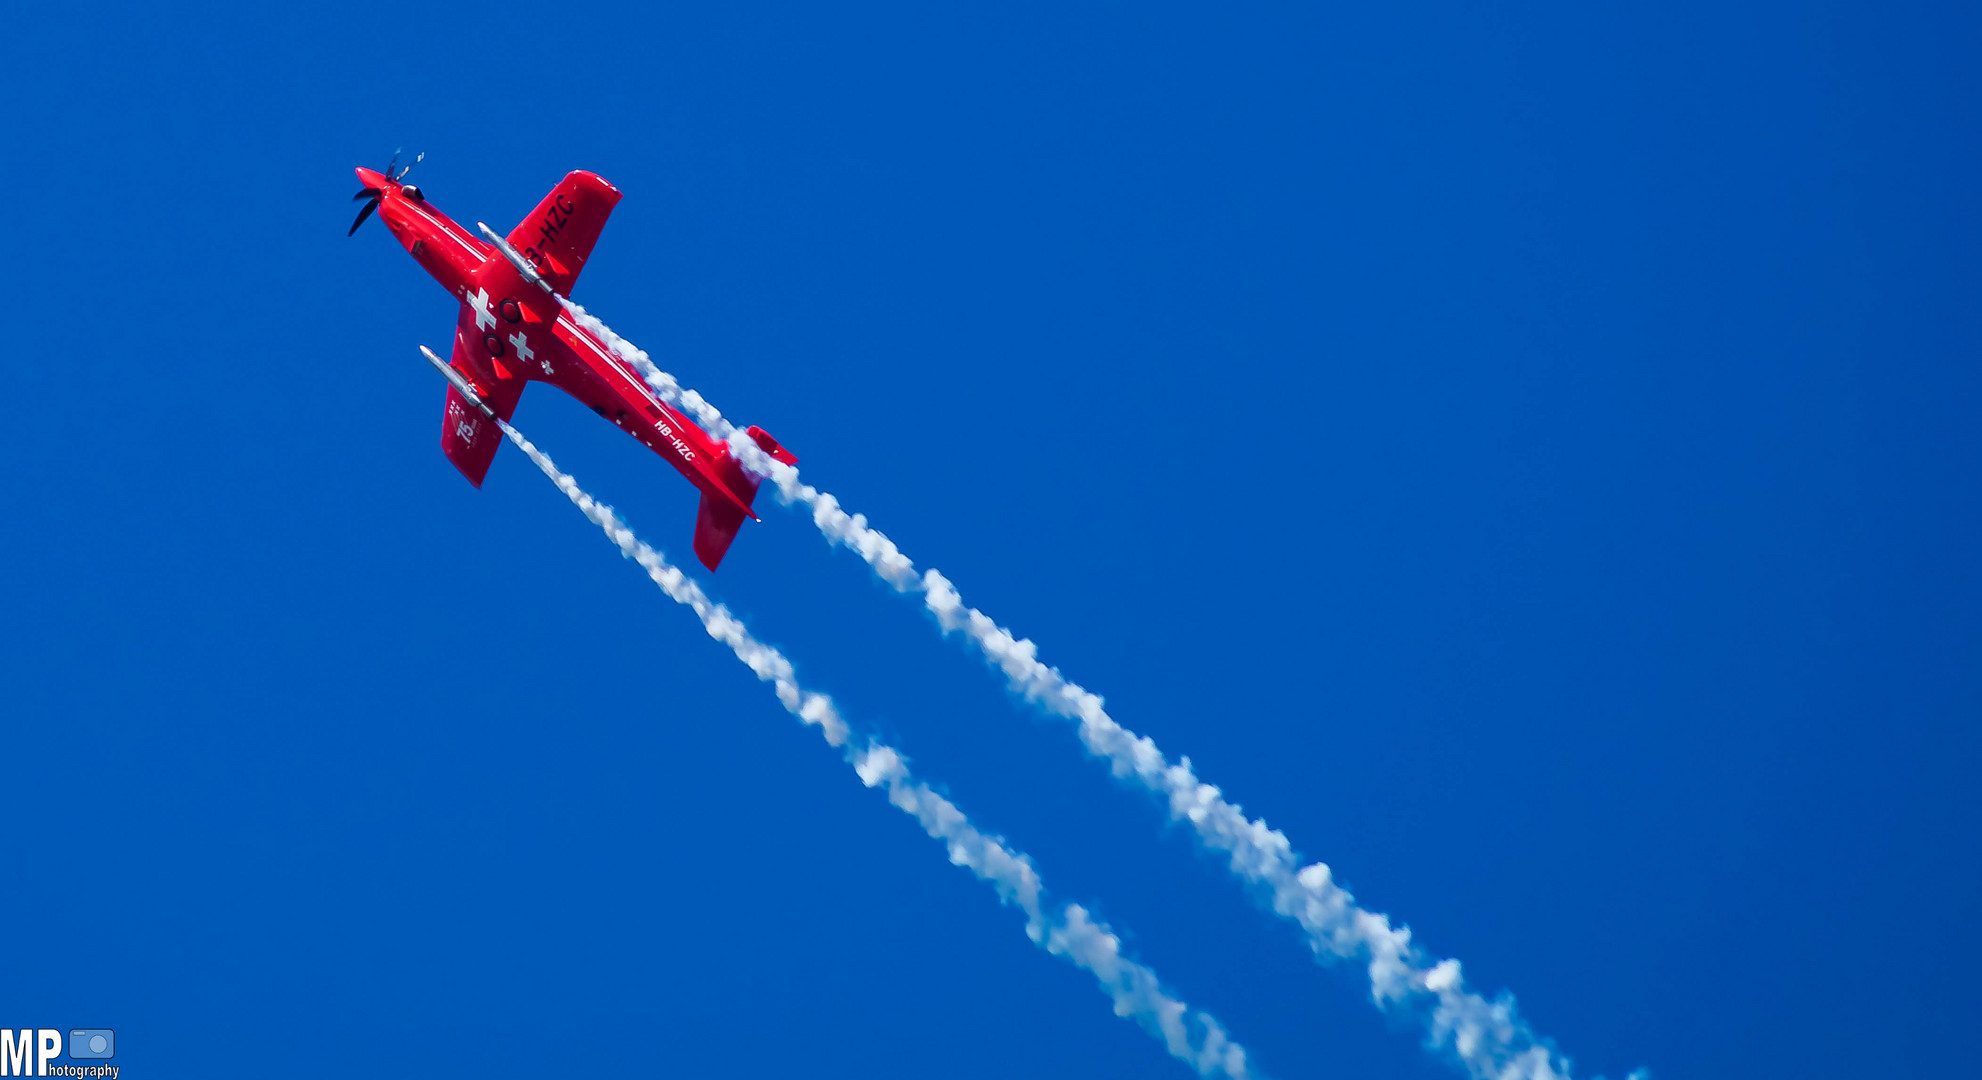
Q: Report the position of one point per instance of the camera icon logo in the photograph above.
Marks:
(92, 1043)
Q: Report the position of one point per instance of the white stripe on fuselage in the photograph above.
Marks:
(606, 354)
(442, 226)
(669, 416)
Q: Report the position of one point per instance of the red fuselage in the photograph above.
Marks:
(510, 333)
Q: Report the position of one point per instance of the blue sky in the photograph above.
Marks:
(1526, 455)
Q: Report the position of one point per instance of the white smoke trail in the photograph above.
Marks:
(1192, 1036)
(663, 384)
(1488, 1039)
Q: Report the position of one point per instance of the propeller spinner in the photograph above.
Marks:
(372, 194)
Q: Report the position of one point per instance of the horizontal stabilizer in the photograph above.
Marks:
(770, 446)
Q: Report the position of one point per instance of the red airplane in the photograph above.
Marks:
(512, 331)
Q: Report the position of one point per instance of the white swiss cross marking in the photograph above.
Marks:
(524, 352)
(480, 302)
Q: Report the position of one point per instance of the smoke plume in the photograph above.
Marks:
(1067, 931)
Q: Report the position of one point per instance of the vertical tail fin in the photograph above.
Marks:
(718, 519)
(716, 523)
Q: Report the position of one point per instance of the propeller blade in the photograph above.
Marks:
(368, 193)
(393, 164)
(402, 173)
(362, 215)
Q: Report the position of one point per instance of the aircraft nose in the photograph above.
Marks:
(371, 178)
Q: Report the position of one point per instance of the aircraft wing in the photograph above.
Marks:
(467, 437)
(558, 235)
